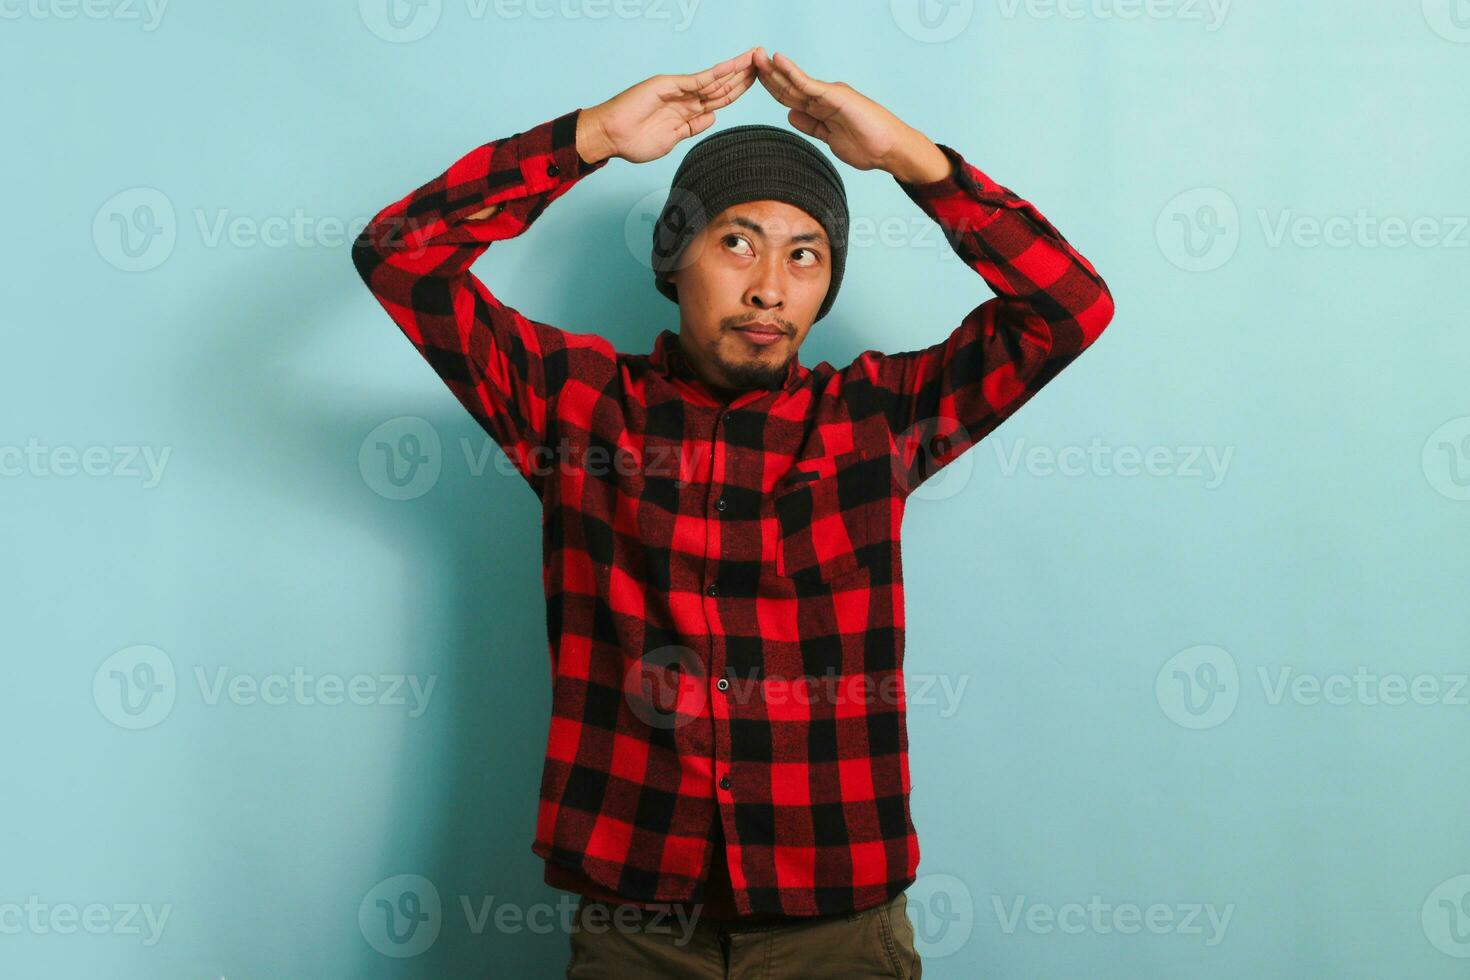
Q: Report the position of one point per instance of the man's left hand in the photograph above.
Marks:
(861, 133)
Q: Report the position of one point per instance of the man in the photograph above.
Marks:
(723, 521)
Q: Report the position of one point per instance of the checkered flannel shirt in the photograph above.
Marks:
(724, 591)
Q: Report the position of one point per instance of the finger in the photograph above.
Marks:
(724, 82)
(773, 81)
(702, 107)
(799, 79)
(691, 84)
(726, 67)
(797, 89)
(808, 124)
(700, 123)
(780, 85)
(729, 90)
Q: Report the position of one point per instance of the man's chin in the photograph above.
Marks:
(754, 373)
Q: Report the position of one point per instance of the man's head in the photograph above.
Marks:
(752, 238)
(750, 288)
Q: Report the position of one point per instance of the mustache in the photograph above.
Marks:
(783, 325)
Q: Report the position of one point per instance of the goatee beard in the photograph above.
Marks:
(747, 376)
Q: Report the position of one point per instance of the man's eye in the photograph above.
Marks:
(729, 239)
(815, 256)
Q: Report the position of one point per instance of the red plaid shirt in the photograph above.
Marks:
(724, 589)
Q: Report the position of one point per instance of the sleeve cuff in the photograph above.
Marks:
(957, 181)
(547, 154)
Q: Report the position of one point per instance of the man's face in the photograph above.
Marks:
(750, 286)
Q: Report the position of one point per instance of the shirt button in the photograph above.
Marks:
(552, 170)
(725, 781)
(711, 590)
(722, 684)
(720, 504)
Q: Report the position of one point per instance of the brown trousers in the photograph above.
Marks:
(623, 942)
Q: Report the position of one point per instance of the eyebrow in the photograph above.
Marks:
(743, 222)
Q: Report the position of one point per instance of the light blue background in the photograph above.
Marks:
(1065, 607)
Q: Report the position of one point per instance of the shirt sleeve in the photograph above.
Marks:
(1050, 304)
(415, 255)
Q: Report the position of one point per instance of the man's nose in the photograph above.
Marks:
(768, 289)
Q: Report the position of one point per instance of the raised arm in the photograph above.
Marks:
(416, 253)
(1050, 303)
(415, 257)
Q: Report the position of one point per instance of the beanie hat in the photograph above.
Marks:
(750, 163)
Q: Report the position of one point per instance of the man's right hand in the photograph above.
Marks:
(646, 121)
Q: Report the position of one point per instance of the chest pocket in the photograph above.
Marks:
(827, 515)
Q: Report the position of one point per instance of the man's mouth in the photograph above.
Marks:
(761, 333)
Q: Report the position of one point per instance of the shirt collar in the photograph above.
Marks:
(669, 359)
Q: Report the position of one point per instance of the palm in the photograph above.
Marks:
(647, 120)
(861, 133)
(858, 136)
